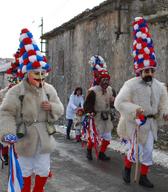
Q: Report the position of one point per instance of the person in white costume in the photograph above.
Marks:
(141, 95)
(28, 110)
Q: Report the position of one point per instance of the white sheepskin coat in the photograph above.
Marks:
(34, 116)
(102, 103)
(136, 94)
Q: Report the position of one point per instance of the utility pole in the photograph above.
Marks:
(41, 25)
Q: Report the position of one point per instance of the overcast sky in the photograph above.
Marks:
(18, 14)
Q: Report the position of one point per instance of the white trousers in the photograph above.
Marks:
(77, 131)
(39, 164)
(145, 151)
(106, 136)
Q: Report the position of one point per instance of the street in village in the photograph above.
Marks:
(72, 172)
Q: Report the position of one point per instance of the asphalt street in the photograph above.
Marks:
(72, 172)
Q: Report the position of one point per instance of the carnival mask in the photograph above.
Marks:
(36, 78)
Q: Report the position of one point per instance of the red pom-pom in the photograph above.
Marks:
(141, 51)
(139, 40)
(140, 65)
(25, 62)
(25, 30)
(27, 41)
(45, 59)
(146, 57)
(151, 49)
(152, 63)
(22, 51)
(36, 64)
(143, 30)
(9, 71)
(136, 58)
(21, 75)
(31, 52)
(13, 65)
(144, 44)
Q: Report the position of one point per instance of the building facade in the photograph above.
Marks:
(104, 30)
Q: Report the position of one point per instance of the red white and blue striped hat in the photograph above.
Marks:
(31, 57)
(99, 68)
(143, 50)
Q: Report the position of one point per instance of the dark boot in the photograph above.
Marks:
(6, 159)
(89, 154)
(103, 157)
(70, 121)
(127, 175)
(144, 181)
(68, 137)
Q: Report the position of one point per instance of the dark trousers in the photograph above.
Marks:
(69, 125)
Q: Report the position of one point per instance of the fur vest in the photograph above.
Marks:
(102, 104)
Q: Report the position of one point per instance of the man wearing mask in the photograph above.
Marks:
(98, 102)
(29, 110)
(142, 95)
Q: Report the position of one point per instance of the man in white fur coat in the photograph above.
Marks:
(99, 101)
(27, 110)
(141, 95)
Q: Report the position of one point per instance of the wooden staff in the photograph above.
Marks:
(137, 154)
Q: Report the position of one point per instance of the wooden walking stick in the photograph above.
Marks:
(140, 120)
(137, 154)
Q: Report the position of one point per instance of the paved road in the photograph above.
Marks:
(72, 172)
